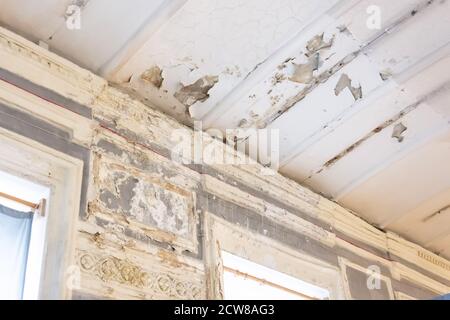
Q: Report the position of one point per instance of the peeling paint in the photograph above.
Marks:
(242, 123)
(344, 29)
(382, 126)
(143, 209)
(159, 207)
(154, 76)
(304, 73)
(345, 82)
(170, 258)
(398, 131)
(385, 75)
(317, 43)
(198, 91)
(125, 192)
(291, 102)
(278, 78)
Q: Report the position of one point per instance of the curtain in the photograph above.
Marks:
(15, 232)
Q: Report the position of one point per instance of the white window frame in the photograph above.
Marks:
(62, 173)
(223, 235)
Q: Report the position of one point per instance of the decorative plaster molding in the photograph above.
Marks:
(353, 226)
(112, 269)
(418, 256)
(435, 260)
(29, 60)
(401, 272)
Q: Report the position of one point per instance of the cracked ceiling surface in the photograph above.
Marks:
(363, 112)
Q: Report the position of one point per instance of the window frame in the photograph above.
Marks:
(223, 235)
(62, 173)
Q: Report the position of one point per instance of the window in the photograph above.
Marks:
(246, 280)
(21, 238)
(27, 165)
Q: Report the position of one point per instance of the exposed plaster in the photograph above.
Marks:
(316, 82)
(345, 82)
(196, 92)
(386, 75)
(278, 78)
(398, 131)
(304, 73)
(316, 44)
(153, 76)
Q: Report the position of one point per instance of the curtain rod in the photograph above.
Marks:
(269, 283)
(37, 207)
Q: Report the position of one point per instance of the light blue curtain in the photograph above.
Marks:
(15, 231)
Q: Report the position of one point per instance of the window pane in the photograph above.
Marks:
(15, 231)
(244, 279)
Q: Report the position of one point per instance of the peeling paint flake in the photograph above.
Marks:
(398, 131)
(385, 75)
(153, 76)
(198, 91)
(317, 43)
(346, 82)
(304, 73)
(344, 29)
(278, 78)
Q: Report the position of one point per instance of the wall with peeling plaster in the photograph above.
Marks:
(141, 232)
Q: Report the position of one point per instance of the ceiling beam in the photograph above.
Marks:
(373, 96)
(315, 25)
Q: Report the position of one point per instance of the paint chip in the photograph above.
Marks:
(398, 131)
(278, 78)
(198, 91)
(304, 73)
(385, 75)
(344, 29)
(345, 82)
(317, 43)
(154, 76)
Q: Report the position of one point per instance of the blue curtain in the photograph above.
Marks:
(15, 231)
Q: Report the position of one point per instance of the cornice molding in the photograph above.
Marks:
(401, 272)
(47, 69)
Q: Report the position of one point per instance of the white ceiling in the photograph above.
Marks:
(252, 56)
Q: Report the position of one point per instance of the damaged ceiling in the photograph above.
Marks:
(363, 109)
